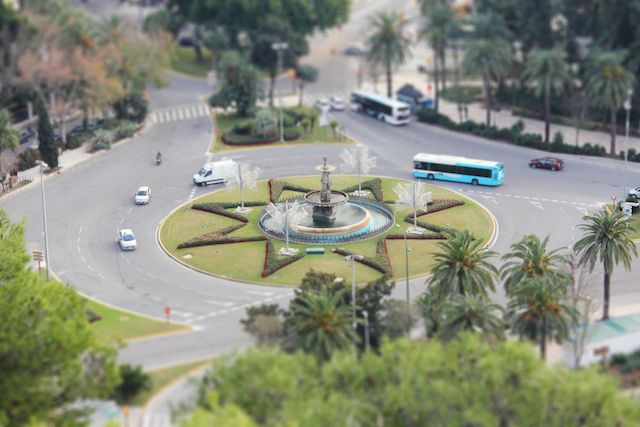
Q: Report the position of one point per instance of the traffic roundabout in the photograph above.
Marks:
(279, 239)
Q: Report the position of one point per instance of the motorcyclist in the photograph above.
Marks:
(158, 157)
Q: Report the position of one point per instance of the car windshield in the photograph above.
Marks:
(142, 193)
(202, 171)
(128, 237)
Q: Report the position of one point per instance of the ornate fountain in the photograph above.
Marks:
(324, 201)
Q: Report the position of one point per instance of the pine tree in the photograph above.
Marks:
(48, 147)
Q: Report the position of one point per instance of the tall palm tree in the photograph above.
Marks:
(606, 81)
(388, 44)
(441, 19)
(9, 136)
(489, 26)
(549, 69)
(606, 239)
(462, 267)
(538, 313)
(528, 258)
(113, 29)
(487, 59)
(472, 313)
(322, 326)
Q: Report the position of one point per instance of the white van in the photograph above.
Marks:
(211, 172)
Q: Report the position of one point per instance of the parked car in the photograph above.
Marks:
(186, 42)
(635, 193)
(355, 49)
(24, 137)
(127, 240)
(142, 196)
(337, 104)
(552, 163)
(77, 130)
(323, 104)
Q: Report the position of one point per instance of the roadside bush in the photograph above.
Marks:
(244, 128)
(231, 138)
(76, 140)
(272, 263)
(126, 130)
(287, 121)
(27, 159)
(134, 380)
(518, 127)
(108, 124)
(103, 139)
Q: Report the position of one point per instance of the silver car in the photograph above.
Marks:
(142, 196)
(635, 193)
(127, 240)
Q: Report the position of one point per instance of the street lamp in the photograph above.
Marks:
(353, 258)
(366, 330)
(279, 47)
(627, 106)
(407, 250)
(43, 165)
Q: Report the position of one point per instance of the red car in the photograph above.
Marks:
(547, 163)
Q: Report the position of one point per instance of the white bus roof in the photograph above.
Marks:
(377, 97)
(451, 160)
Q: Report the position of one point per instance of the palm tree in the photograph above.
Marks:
(388, 45)
(606, 81)
(322, 326)
(538, 313)
(528, 258)
(441, 19)
(305, 74)
(9, 136)
(472, 313)
(489, 26)
(606, 239)
(486, 58)
(113, 29)
(462, 267)
(429, 308)
(549, 68)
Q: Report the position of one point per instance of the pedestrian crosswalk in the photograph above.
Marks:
(184, 112)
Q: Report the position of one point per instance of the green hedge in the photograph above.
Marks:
(438, 205)
(374, 185)
(231, 138)
(219, 209)
(219, 237)
(513, 134)
(379, 262)
(276, 187)
(432, 227)
(274, 262)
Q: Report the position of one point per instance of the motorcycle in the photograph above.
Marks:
(159, 160)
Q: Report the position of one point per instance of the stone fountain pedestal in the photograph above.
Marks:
(324, 202)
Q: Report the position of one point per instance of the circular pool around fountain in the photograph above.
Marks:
(359, 219)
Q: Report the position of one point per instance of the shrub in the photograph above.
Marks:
(231, 138)
(379, 262)
(126, 130)
(108, 124)
(287, 121)
(586, 149)
(133, 381)
(103, 139)
(27, 159)
(220, 237)
(219, 209)
(265, 123)
(374, 185)
(273, 263)
(518, 127)
(276, 187)
(244, 128)
(75, 141)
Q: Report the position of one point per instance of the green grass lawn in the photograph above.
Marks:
(318, 135)
(120, 325)
(184, 61)
(160, 378)
(462, 94)
(245, 261)
(634, 222)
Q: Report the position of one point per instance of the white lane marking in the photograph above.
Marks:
(80, 232)
(187, 112)
(480, 192)
(203, 110)
(102, 277)
(127, 261)
(267, 299)
(188, 320)
(259, 293)
(222, 303)
(78, 239)
(180, 116)
(525, 197)
(200, 317)
(507, 195)
(161, 117)
(498, 194)
(235, 309)
(121, 220)
(555, 201)
(89, 267)
(545, 200)
(117, 285)
(516, 197)
(224, 312)
(573, 203)
(583, 204)
(537, 205)
(122, 255)
(583, 210)
(534, 198)
(280, 296)
(129, 211)
(569, 247)
(214, 314)
(139, 269)
(491, 199)
(572, 236)
(569, 218)
(153, 277)
(83, 259)
(173, 116)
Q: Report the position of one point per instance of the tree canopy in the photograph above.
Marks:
(49, 358)
(461, 383)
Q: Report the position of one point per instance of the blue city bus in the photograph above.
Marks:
(460, 169)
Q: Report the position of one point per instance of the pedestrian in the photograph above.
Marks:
(466, 113)
(460, 112)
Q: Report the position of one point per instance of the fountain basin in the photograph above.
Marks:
(352, 218)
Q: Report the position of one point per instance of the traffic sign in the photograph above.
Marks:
(38, 255)
(217, 130)
(167, 310)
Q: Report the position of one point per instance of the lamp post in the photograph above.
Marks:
(627, 106)
(406, 246)
(366, 330)
(43, 165)
(353, 258)
(279, 47)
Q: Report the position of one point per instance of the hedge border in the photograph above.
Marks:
(241, 144)
(220, 211)
(270, 257)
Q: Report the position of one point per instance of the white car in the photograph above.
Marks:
(142, 196)
(323, 105)
(337, 104)
(635, 193)
(355, 49)
(127, 240)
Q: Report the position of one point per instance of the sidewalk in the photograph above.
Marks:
(67, 161)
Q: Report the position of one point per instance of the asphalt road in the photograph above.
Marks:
(86, 206)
